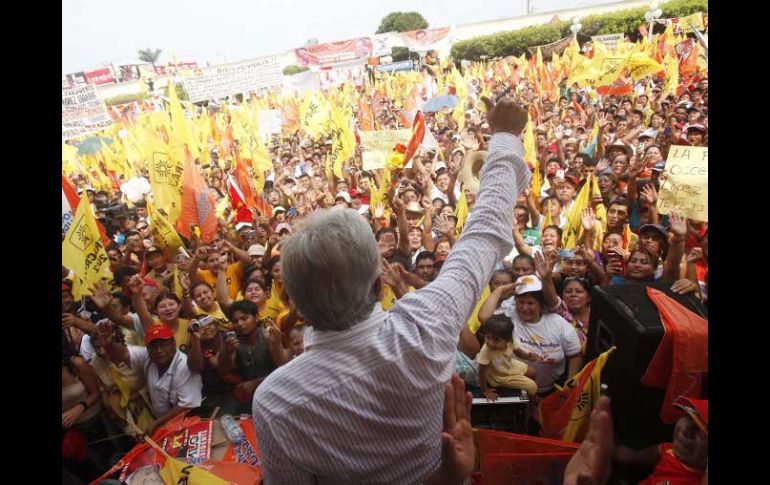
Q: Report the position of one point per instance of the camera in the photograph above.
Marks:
(196, 325)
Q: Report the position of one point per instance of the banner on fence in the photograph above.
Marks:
(82, 112)
(229, 79)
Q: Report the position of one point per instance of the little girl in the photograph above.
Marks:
(497, 366)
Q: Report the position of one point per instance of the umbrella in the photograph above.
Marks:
(92, 145)
(438, 103)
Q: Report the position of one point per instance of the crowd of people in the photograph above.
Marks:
(202, 329)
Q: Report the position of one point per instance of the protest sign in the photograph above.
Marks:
(377, 145)
(269, 122)
(82, 112)
(609, 40)
(383, 44)
(684, 188)
(332, 53)
(229, 79)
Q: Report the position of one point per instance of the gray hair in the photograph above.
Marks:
(329, 266)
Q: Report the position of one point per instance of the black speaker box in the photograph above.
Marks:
(624, 316)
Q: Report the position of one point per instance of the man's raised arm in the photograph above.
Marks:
(445, 305)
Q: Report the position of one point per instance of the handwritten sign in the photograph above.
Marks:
(685, 188)
(230, 79)
(82, 112)
(377, 145)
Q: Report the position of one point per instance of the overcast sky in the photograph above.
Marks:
(95, 32)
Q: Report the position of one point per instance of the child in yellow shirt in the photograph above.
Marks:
(497, 365)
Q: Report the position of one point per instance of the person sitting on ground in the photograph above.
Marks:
(497, 366)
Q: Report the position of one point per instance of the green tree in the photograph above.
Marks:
(402, 22)
(293, 69)
(149, 55)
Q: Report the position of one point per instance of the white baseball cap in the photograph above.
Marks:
(529, 283)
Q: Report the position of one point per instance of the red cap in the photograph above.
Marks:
(573, 180)
(66, 286)
(156, 332)
(698, 409)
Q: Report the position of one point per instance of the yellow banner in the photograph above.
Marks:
(82, 251)
(377, 145)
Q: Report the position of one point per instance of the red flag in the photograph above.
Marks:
(238, 200)
(681, 360)
(242, 176)
(418, 133)
(198, 204)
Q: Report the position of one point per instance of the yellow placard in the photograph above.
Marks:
(377, 145)
(685, 187)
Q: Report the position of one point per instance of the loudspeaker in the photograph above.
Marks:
(623, 316)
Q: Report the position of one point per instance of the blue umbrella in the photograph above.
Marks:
(92, 145)
(437, 104)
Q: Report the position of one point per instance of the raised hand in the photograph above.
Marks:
(458, 449)
(588, 218)
(649, 194)
(135, 284)
(543, 265)
(506, 116)
(677, 224)
(100, 295)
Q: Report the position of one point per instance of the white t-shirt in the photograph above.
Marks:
(552, 337)
(178, 386)
(435, 193)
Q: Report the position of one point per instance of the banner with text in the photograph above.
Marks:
(377, 145)
(82, 112)
(332, 53)
(684, 187)
(609, 40)
(99, 76)
(229, 79)
(425, 40)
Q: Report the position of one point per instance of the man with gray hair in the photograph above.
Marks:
(363, 403)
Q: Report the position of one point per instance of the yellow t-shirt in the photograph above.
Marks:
(274, 306)
(234, 277)
(219, 317)
(502, 364)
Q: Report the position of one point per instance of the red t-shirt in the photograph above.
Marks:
(671, 471)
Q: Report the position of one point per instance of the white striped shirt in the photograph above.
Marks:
(364, 405)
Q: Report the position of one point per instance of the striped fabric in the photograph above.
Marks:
(365, 405)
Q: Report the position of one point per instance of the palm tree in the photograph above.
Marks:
(149, 55)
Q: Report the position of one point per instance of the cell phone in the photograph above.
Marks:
(292, 211)
(230, 334)
(560, 174)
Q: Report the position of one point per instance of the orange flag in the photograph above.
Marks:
(681, 360)
(198, 204)
(365, 115)
(418, 132)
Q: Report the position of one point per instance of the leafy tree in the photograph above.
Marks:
(402, 22)
(149, 55)
(293, 69)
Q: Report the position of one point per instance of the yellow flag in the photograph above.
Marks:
(672, 76)
(577, 426)
(165, 178)
(530, 157)
(574, 224)
(313, 115)
(82, 251)
(177, 285)
(180, 126)
(175, 471)
(163, 233)
(461, 213)
(641, 66)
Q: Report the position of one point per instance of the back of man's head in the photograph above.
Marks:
(329, 266)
